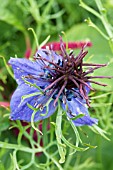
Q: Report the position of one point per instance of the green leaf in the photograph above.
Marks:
(78, 116)
(90, 146)
(73, 146)
(99, 131)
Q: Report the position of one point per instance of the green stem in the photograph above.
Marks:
(104, 18)
(86, 7)
(15, 160)
(68, 159)
(17, 147)
(54, 161)
(44, 130)
(58, 131)
(7, 67)
(38, 33)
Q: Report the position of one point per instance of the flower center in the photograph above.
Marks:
(66, 74)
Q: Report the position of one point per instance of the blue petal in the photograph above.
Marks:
(49, 55)
(77, 106)
(87, 88)
(19, 108)
(25, 67)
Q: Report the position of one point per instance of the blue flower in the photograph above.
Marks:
(49, 78)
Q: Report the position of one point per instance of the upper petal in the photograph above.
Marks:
(28, 69)
(50, 55)
(20, 109)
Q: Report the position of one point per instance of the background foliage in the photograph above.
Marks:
(49, 17)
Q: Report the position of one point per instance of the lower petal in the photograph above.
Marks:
(77, 106)
(20, 109)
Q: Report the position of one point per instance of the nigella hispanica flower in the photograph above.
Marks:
(57, 78)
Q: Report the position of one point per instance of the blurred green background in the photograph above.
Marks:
(49, 17)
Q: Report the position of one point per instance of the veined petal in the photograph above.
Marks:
(77, 106)
(16, 98)
(29, 69)
(50, 55)
(26, 65)
(20, 110)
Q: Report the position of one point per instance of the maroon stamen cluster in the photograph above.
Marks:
(71, 74)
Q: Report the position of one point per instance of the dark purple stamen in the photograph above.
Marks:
(91, 81)
(50, 62)
(54, 82)
(61, 90)
(93, 77)
(92, 69)
(74, 81)
(91, 64)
